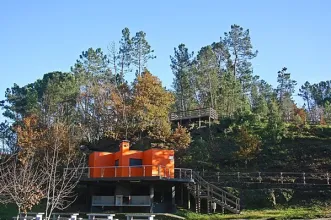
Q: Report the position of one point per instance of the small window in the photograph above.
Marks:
(116, 163)
(136, 162)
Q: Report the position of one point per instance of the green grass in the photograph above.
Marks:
(10, 210)
(7, 211)
(289, 213)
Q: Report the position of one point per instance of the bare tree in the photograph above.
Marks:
(4, 198)
(63, 169)
(23, 184)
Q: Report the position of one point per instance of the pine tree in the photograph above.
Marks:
(285, 90)
(181, 67)
(141, 52)
(275, 126)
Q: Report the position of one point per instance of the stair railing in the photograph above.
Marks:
(218, 195)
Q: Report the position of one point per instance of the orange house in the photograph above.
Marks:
(132, 163)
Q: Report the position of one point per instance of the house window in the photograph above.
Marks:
(136, 162)
(116, 163)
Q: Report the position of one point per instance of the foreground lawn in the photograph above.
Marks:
(289, 213)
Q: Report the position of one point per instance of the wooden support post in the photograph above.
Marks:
(182, 195)
(173, 196)
(151, 197)
(188, 199)
(196, 197)
(327, 179)
(208, 199)
(199, 198)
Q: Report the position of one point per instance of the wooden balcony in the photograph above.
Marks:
(203, 113)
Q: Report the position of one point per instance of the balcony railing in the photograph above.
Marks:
(125, 201)
(135, 171)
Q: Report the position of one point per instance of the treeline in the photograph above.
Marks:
(95, 100)
(221, 76)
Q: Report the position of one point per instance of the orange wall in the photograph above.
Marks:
(153, 158)
(161, 158)
(100, 159)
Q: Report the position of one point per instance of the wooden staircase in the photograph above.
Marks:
(201, 189)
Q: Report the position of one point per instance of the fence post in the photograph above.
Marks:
(327, 178)
(281, 177)
(304, 178)
(180, 173)
(260, 178)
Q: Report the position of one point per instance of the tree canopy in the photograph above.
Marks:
(95, 102)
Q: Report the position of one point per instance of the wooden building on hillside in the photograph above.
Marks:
(201, 116)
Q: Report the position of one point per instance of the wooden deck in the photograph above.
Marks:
(194, 114)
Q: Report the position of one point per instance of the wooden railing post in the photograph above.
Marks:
(304, 178)
(223, 198)
(260, 178)
(281, 178)
(327, 179)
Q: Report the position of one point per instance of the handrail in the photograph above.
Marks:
(213, 186)
(162, 171)
(297, 178)
(224, 196)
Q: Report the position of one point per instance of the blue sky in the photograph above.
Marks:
(38, 36)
